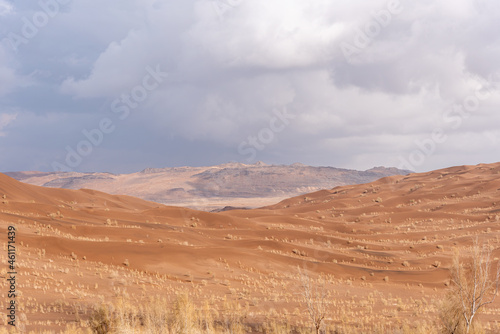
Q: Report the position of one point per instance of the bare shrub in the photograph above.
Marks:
(474, 286)
(314, 296)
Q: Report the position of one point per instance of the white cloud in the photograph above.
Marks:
(5, 120)
(5, 8)
(9, 79)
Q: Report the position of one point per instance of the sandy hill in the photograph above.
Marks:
(384, 249)
(209, 188)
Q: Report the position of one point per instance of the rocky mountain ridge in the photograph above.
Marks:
(213, 187)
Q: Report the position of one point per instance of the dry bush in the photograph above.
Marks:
(101, 320)
(474, 286)
(314, 296)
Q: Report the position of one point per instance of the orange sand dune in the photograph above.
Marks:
(388, 243)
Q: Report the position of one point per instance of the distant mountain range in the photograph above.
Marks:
(214, 187)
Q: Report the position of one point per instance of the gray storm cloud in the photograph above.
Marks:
(367, 82)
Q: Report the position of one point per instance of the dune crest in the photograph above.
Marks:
(384, 246)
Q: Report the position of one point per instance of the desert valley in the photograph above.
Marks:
(213, 187)
(371, 258)
(234, 167)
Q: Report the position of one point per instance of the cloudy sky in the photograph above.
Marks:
(121, 85)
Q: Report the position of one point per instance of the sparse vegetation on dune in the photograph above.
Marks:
(182, 316)
(369, 265)
(318, 310)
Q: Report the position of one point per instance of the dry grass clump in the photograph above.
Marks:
(161, 317)
(101, 320)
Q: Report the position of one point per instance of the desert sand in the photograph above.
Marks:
(384, 249)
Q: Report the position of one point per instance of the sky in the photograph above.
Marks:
(122, 85)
